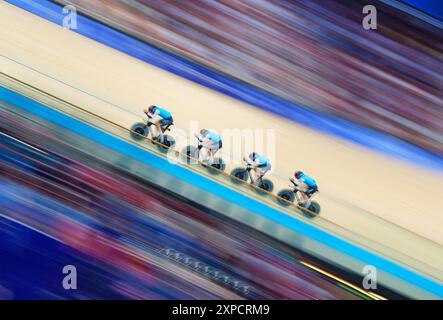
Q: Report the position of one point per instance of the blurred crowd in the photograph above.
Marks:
(140, 241)
(315, 53)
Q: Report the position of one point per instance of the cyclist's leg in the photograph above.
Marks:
(210, 157)
(264, 170)
(212, 151)
(261, 173)
(156, 123)
(302, 199)
(255, 175)
(307, 202)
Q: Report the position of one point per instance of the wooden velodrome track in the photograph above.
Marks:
(396, 206)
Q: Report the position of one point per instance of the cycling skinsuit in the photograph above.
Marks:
(312, 185)
(166, 116)
(215, 138)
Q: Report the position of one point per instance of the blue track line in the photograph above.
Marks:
(228, 194)
(328, 124)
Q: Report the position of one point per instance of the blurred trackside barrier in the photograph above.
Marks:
(219, 193)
